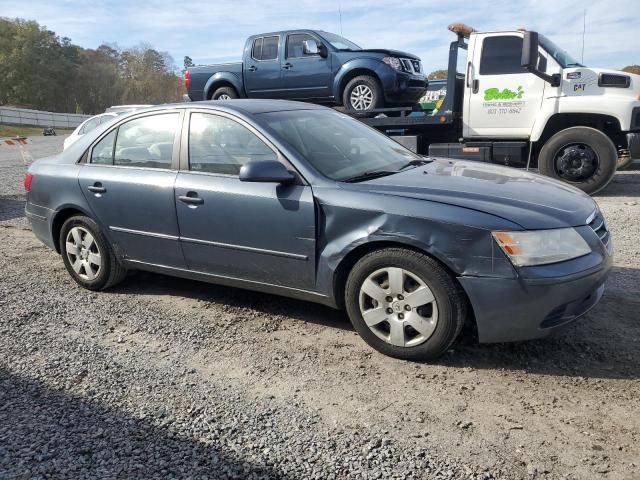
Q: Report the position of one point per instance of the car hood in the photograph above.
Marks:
(392, 53)
(529, 200)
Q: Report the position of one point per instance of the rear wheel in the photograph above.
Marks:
(87, 255)
(224, 93)
(582, 156)
(362, 93)
(404, 304)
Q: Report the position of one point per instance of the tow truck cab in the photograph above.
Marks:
(522, 101)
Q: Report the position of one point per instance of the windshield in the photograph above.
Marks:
(338, 146)
(563, 58)
(339, 42)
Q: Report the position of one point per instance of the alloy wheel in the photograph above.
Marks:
(224, 96)
(361, 97)
(83, 253)
(398, 307)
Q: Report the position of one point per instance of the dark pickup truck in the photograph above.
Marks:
(314, 66)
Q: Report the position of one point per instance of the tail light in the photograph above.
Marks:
(28, 178)
(187, 79)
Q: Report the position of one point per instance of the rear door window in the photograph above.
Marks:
(256, 52)
(270, 48)
(102, 153)
(147, 142)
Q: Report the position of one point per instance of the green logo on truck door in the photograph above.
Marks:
(505, 94)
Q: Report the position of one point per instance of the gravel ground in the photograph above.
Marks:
(169, 378)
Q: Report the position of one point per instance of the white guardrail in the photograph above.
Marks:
(25, 116)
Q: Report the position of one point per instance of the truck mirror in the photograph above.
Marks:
(530, 51)
(310, 47)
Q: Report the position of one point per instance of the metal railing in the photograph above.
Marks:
(24, 116)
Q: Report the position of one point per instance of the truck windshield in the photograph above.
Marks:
(562, 57)
(339, 42)
(336, 145)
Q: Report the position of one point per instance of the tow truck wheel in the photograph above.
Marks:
(224, 93)
(581, 156)
(362, 94)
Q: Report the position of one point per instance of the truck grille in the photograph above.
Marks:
(597, 223)
(410, 65)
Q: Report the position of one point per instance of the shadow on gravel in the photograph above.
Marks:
(146, 283)
(625, 184)
(46, 433)
(11, 208)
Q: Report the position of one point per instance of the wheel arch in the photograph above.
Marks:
(58, 220)
(607, 124)
(343, 79)
(222, 79)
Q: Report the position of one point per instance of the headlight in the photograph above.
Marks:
(393, 62)
(540, 247)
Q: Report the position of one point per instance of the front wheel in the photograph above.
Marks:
(87, 255)
(362, 94)
(582, 156)
(404, 304)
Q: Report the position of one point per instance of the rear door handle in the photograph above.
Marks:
(96, 188)
(191, 198)
(252, 68)
(287, 66)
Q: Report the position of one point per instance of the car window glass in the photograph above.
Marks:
(102, 152)
(257, 49)
(90, 125)
(269, 48)
(147, 141)
(501, 55)
(220, 145)
(294, 45)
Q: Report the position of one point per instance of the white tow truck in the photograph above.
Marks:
(520, 100)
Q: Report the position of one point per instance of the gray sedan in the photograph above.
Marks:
(300, 200)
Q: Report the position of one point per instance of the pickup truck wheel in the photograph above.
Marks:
(404, 304)
(224, 93)
(581, 156)
(362, 93)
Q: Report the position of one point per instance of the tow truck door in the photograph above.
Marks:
(501, 100)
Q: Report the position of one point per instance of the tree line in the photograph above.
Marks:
(41, 70)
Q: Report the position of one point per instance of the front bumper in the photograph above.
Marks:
(541, 299)
(401, 87)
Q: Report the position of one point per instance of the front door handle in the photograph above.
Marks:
(287, 66)
(252, 68)
(96, 188)
(191, 198)
(476, 85)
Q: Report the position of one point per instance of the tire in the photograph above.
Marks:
(580, 140)
(440, 320)
(371, 94)
(227, 93)
(624, 161)
(90, 275)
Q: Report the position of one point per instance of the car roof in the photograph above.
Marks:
(240, 105)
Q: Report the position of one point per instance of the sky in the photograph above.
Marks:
(215, 30)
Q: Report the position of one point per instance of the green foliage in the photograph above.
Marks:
(47, 72)
(188, 62)
(438, 75)
(632, 69)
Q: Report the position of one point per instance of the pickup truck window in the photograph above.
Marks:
(218, 144)
(501, 55)
(294, 45)
(265, 48)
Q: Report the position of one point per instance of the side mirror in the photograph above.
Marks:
(310, 47)
(268, 171)
(529, 60)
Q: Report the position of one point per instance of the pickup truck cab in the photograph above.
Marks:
(315, 66)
